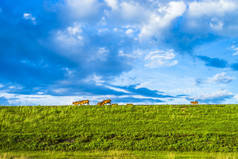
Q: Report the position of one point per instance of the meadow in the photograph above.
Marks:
(117, 155)
(140, 128)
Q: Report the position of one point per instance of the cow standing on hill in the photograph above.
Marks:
(81, 102)
(108, 101)
(194, 102)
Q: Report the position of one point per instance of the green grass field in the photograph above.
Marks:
(117, 155)
(162, 128)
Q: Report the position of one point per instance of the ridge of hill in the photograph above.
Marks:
(210, 128)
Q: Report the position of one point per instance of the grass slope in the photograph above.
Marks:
(211, 128)
(117, 155)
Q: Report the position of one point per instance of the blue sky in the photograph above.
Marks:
(131, 51)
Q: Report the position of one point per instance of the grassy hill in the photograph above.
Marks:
(212, 128)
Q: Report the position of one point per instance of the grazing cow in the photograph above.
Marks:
(108, 101)
(81, 102)
(76, 103)
(194, 102)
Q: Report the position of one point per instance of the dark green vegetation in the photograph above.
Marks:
(209, 128)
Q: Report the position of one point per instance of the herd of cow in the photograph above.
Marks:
(82, 102)
(108, 101)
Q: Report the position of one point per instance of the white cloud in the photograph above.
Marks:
(125, 79)
(134, 55)
(145, 20)
(102, 30)
(40, 93)
(132, 11)
(126, 12)
(216, 24)
(96, 79)
(41, 99)
(71, 36)
(236, 97)
(162, 18)
(102, 21)
(117, 89)
(16, 99)
(83, 8)
(221, 78)
(15, 87)
(101, 54)
(160, 58)
(144, 84)
(74, 30)
(28, 16)
(60, 90)
(68, 72)
(153, 59)
(129, 31)
(235, 49)
(216, 97)
(211, 7)
(112, 3)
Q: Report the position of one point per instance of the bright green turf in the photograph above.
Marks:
(208, 128)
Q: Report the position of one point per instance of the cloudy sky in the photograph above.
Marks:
(132, 51)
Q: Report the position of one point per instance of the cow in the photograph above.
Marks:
(81, 102)
(194, 102)
(107, 101)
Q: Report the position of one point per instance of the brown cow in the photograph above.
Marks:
(81, 102)
(194, 102)
(108, 101)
